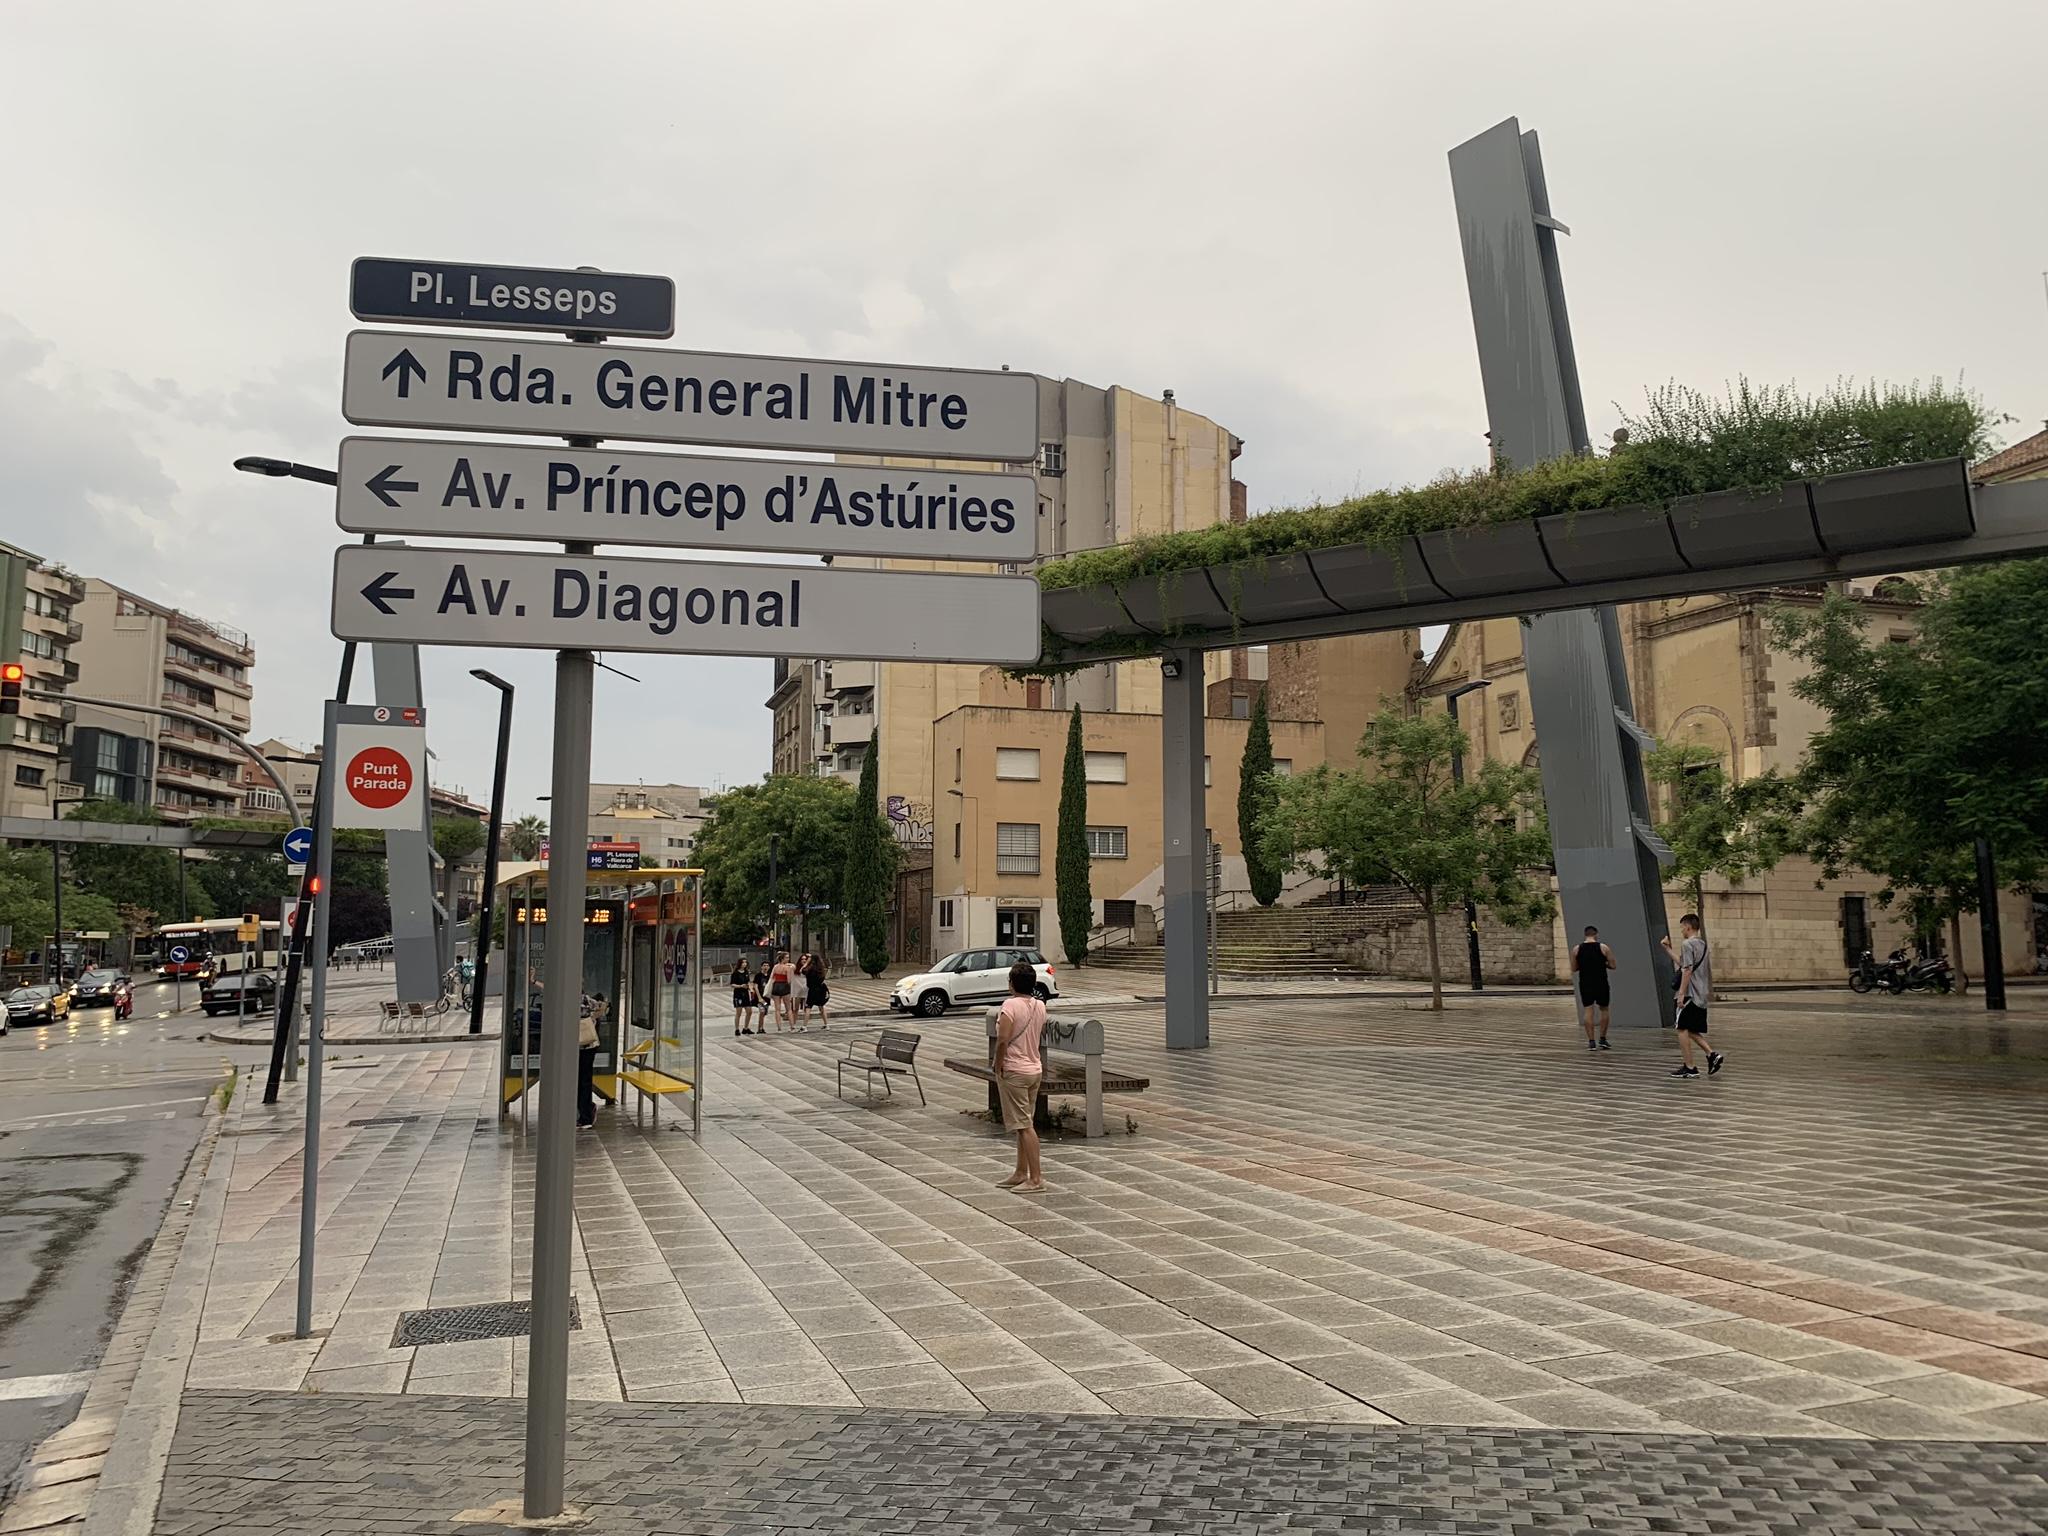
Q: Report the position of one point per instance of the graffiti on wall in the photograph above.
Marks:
(911, 821)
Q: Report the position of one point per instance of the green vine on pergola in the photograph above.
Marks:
(1685, 443)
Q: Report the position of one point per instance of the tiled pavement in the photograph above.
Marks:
(1342, 1212)
(261, 1463)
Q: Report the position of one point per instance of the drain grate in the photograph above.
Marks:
(386, 1120)
(463, 1325)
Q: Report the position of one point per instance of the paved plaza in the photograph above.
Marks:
(1459, 1248)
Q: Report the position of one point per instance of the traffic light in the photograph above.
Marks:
(10, 688)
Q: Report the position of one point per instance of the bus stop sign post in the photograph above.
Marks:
(379, 782)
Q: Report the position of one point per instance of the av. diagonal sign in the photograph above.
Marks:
(551, 389)
(595, 602)
(456, 489)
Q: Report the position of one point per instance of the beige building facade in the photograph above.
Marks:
(39, 627)
(998, 766)
(663, 819)
(1702, 671)
(1113, 465)
(139, 651)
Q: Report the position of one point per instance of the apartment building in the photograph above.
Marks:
(999, 768)
(136, 650)
(39, 628)
(1113, 465)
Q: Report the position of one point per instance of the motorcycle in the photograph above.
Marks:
(1869, 976)
(1899, 974)
(1931, 973)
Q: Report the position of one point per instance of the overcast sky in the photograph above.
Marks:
(1245, 203)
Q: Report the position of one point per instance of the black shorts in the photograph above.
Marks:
(1594, 997)
(1692, 1018)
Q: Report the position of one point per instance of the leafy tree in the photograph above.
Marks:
(1401, 820)
(867, 857)
(1073, 889)
(1930, 745)
(811, 820)
(25, 903)
(1254, 795)
(355, 913)
(523, 837)
(141, 880)
(243, 879)
(1718, 828)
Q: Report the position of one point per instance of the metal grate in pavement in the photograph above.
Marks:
(463, 1325)
(386, 1120)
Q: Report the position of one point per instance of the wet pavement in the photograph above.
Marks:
(97, 1119)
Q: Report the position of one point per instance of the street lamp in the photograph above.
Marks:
(57, 890)
(286, 1030)
(484, 915)
(1458, 777)
(279, 469)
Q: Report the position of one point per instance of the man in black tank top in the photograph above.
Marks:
(1591, 962)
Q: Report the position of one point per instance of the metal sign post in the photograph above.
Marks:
(316, 1029)
(576, 602)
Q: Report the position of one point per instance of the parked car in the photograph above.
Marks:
(972, 975)
(224, 994)
(104, 989)
(41, 1004)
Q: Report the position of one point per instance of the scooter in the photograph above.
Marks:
(1869, 976)
(1931, 973)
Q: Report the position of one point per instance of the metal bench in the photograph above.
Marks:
(1088, 1077)
(894, 1055)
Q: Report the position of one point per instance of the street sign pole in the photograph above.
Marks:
(322, 871)
(554, 1165)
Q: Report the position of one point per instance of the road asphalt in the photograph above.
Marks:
(97, 1120)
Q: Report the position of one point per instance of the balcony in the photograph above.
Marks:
(219, 640)
(226, 785)
(176, 666)
(198, 743)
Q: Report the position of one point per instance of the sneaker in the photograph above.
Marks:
(1714, 1060)
(1591, 1046)
(1603, 1043)
(1685, 1071)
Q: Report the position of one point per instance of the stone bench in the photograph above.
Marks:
(1063, 1038)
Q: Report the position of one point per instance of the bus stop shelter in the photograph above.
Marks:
(641, 949)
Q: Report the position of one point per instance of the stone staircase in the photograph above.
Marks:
(1304, 941)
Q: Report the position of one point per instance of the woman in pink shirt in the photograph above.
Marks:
(1018, 1071)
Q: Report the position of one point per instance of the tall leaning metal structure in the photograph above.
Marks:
(1608, 860)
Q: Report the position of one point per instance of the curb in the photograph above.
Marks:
(89, 1448)
(233, 1037)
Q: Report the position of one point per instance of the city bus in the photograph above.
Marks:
(210, 947)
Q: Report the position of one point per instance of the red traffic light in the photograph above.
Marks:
(10, 687)
(312, 888)
(11, 672)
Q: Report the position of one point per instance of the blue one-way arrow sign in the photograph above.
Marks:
(298, 844)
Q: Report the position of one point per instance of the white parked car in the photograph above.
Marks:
(971, 976)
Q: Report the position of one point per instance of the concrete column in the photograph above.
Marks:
(1185, 806)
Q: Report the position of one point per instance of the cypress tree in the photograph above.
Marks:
(1254, 795)
(867, 895)
(1070, 868)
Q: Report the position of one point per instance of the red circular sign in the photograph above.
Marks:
(378, 777)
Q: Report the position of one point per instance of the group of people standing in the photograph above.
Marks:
(789, 991)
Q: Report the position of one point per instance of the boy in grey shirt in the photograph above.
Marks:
(1695, 992)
